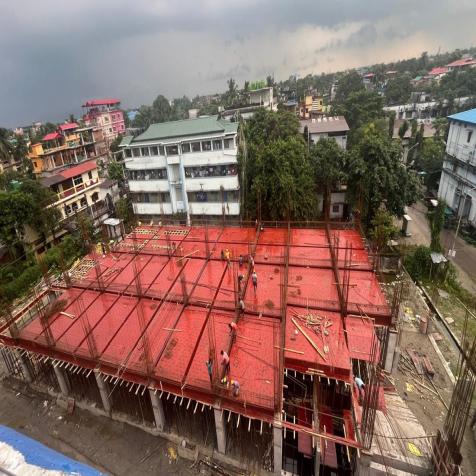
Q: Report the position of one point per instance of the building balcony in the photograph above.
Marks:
(197, 184)
(71, 192)
(217, 208)
(462, 152)
(215, 157)
(152, 208)
(148, 185)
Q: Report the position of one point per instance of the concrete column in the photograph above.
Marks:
(221, 430)
(24, 366)
(103, 392)
(278, 449)
(391, 346)
(61, 380)
(317, 457)
(158, 409)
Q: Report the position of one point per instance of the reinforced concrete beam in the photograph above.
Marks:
(106, 403)
(158, 409)
(391, 347)
(278, 449)
(59, 372)
(220, 430)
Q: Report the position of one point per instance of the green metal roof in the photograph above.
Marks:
(126, 140)
(187, 127)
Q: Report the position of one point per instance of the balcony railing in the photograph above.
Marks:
(462, 152)
(76, 189)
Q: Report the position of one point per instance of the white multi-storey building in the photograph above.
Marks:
(458, 177)
(187, 167)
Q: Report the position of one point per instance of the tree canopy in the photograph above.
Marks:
(277, 178)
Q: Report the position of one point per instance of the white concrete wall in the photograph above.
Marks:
(229, 182)
(152, 208)
(149, 185)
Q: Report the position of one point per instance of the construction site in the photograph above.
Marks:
(248, 340)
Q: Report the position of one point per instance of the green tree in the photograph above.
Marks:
(398, 90)
(378, 177)
(436, 217)
(276, 173)
(115, 171)
(114, 147)
(430, 160)
(330, 169)
(125, 212)
(349, 84)
(402, 130)
(382, 229)
(180, 108)
(359, 108)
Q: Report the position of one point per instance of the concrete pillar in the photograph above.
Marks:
(158, 409)
(391, 346)
(317, 457)
(103, 392)
(220, 430)
(278, 449)
(61, 380)
(24, 366)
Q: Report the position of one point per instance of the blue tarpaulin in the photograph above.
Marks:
(43, 457)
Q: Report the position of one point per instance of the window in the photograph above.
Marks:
(172, 150)
(229, 143)
(95, 197)
(154, 151)
(145, 151)
(106, 119)
(74, 206)
(161, 150)
(211, 171)
(217, 144)
(335, 208)
(185, 148)
(35, 165)
(67, 209)
(136, 152)
(90, 175)
(196, 147)
(78, 180)
(468, 139)
(128, 152)
(206, 145)
(83, 202)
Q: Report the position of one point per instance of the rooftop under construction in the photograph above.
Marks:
(148, 313)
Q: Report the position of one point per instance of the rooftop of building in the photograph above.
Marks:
(159, 304)
(465, 116)
(102, 102)
(68, 126)
(186, 128)
(428, 129)
(69, 172)
(438, 70)
(325, 124)
(461, 62)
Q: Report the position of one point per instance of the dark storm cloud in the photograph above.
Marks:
(56, 54)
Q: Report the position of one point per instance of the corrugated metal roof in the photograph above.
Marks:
(51, 136)
(186, 127)
(101, 102)
(325, 124)
(465, 116)
(68, 126)
(126, 140)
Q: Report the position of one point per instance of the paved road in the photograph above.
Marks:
(465, 259)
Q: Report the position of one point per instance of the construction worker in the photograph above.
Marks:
(254, 279)
(251, 261)
(240, 261)
(235, 387)
(227, 257)
(209, 365)
(232, 326)
(225, 361)
(241, 306)
(359, 383)
(223, 255)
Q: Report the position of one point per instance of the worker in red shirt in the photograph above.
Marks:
(232, 326)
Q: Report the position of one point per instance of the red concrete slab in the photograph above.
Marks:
(337, 360)
(162, 282)
(122, 344)
(123, 279)
(158, 332)
(273, 236)
(219, 332)
(195, 249)
(178, 351)
(238, 235)
(313, 286)
(235, 249)
(191, 269)
(365, 289)
(209, 281)
(310, 256)
(150, 271)
(360, 332)
(267, 297)
(348, 238)
(199, 233)
(160, 246)
(308, 237)
(359, 259)
(268, 253)
(254, 359)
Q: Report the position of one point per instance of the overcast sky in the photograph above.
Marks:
(56, 54)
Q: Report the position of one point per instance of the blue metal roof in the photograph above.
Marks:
(465, 116)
